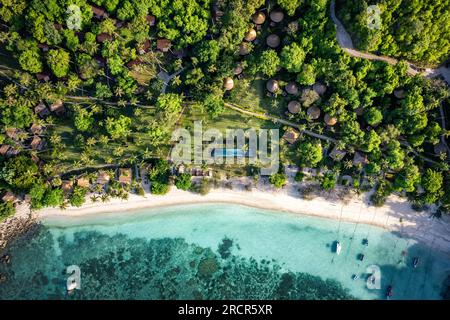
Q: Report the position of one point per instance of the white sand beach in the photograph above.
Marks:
(396, 215)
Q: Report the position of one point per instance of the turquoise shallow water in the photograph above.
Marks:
(216, 251)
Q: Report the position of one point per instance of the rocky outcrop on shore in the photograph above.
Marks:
(14, 227)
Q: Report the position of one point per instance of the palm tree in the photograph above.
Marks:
(64, 205)
(105, 197)
(340, 145)
(118, 92)
(348, 164)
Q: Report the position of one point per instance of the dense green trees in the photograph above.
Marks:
(58, 61)
(269, 62)
(278, 180)
(19, 172)
(30, 60)
(310, 153)
(185, 21)
(183, 181)
(432, 182)
(292, 57)
(6, 210)
(118, 128)
(408, 178)
(42, 195)
(290, 5)
(78, 196)
(328, 181)
(109, 59)
(410, 29)
(373, 116)
(159, 177)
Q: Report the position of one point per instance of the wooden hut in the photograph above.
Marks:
(238, 69)
(163, 45)
(103, 177)
(359, 158)
(98, 12)
(337, 154)
(10, 197)
(125, 175)
(57, 107)
(37, 143)
(66, 186)
(291, 135)
(36, 129)
(83, 182)
(151, 20)
(41, 110)
(102, 37)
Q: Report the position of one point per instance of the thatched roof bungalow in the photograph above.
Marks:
(83, 182)
(37, 143)
(250, 35)
(319, 88)
(313, 112)
(329, 120)
(294, 107)
(103, 177)
(276, 16)
(292, 88)
(10, 197)
(259, 18)
(228, 83)
(273, 40)
(272, 85)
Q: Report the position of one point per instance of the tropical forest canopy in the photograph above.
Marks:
(415, 30)
(101, 97)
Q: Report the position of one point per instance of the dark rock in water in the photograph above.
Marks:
(207, 267)
(14, 227)
(155, 269)
(224, 248)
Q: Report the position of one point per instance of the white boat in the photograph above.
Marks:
(338, 247)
